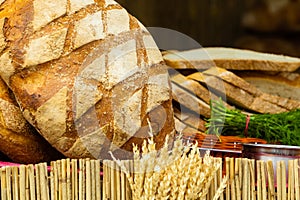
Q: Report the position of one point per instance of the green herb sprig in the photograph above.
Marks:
(282, 128)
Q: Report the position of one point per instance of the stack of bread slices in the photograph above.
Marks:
(253, 81)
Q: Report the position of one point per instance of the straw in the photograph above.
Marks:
(237, 178)
(271, 182)
(231, 178)
(263, 180)
(81, 179)
(227, 162)
(88, 180)
(22, 182)
(93, 179)
(291, 191)
(68, 171)
(15, 181)
(118, 181)
(245, 190)
(8, 182)
(252, 179)
(52, 188)
(279, 180)
(259, 189)
(296, 175)
(220, 179)
(98, 181)
(74, 179)
(283, 178)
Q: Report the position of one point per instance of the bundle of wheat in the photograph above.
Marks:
(181, 173)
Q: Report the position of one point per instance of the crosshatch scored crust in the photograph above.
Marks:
(84, 79)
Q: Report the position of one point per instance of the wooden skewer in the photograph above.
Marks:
(118, 181)
(22, 186)
(93, 179)
(60, 181)
(113, 185)
(291, 191)
(63, 179)
(271, 182)
(129, 166)
(237, 178)
(27, 185)
(245, 191)
(15, 181)
(74, 179)
(98, 180)
(263, 180)
(56, 180)
(231, 178)
(37, 182)
(283, 179)
(68, 170)
(52, 188)
(81, 180)
(123, 183)
(44, 181)
(279, 180)
(106, 180)
(220, 175)
(8, 183)
(259, 189)
(227, 162)
(84, 178)
(252, 178)
(3, 183)
(296, 175)
(88, 188)
(248, 179)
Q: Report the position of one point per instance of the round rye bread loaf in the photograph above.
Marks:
(86, 74)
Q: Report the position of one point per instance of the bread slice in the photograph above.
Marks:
(190, 119)
(242, 94)
(284, 84)
(193, 87)
(186, 130)
(230, 58)
(190, 101)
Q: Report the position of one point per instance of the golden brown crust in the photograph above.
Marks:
(18, 140)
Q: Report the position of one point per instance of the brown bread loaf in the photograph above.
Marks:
(18, 140)
(86, 74)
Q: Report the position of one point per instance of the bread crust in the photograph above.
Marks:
(18, 139)
(231, 59)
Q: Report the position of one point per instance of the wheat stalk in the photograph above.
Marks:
(177, 173)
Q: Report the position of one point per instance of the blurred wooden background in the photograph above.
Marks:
(264, 25)
(210, 22)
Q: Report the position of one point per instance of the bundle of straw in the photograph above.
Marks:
(179, 173)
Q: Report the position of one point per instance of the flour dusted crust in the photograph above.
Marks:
(87, 76)
(18, 140)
